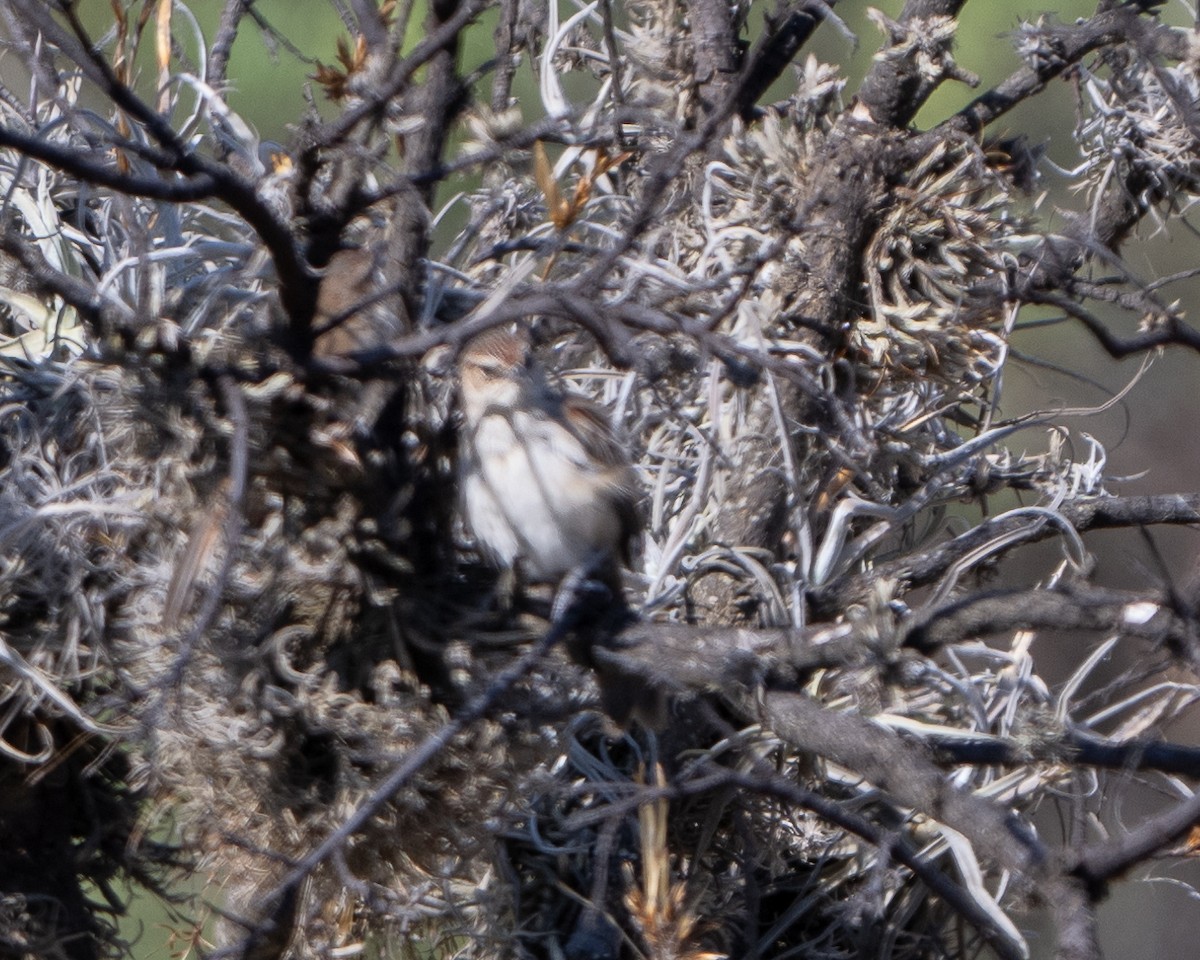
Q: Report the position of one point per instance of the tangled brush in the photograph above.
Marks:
(245, 636)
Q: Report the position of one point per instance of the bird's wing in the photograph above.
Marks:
(590, 425)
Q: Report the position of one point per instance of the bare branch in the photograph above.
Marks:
(1051, 51)
(444, 35)
(98, 172)
(1099, 864)
(222, 45)
(1160, 331)
(900, 81)
(714, 46)
(930, 564)
(785, 33)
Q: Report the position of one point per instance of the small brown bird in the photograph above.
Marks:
(347, 315)
(546, 485)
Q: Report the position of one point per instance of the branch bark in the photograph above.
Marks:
(906, 773)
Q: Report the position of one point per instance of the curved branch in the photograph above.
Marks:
(905, 772)
(894, 845)
(297, 282)
(1167, 331)
(898, 86)
(683, 658)
(926, 566)
(1100, 863)
(80, 165)
(1064, 47)
(783, 36)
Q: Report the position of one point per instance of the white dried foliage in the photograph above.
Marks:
(259, 732)
(659, 54)
(718, 256)
(953, 225)
(1139, 117)
(926, 42)
(113, 478)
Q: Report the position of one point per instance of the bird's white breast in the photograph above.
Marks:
(531, 492)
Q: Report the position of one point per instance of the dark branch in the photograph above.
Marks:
(783, 35)
(1066, 608)
(907, 774)
(929, 565)
(898, 85)
(1103, 862)
(698, 659)
(79, 164)
(1077, 749)
(297, 282)
(1163, 331)
(101, 314)
(1063, 47)
(890, 843)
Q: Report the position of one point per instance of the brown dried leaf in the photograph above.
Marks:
(352, 59)
(543, 173)
(120, 55)
(604, 162)
(162, 47)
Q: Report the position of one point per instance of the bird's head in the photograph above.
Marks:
(495, 370)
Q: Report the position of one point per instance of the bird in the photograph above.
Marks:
(547, 488)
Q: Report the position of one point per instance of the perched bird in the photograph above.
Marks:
(347, 315)
(547, 488)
